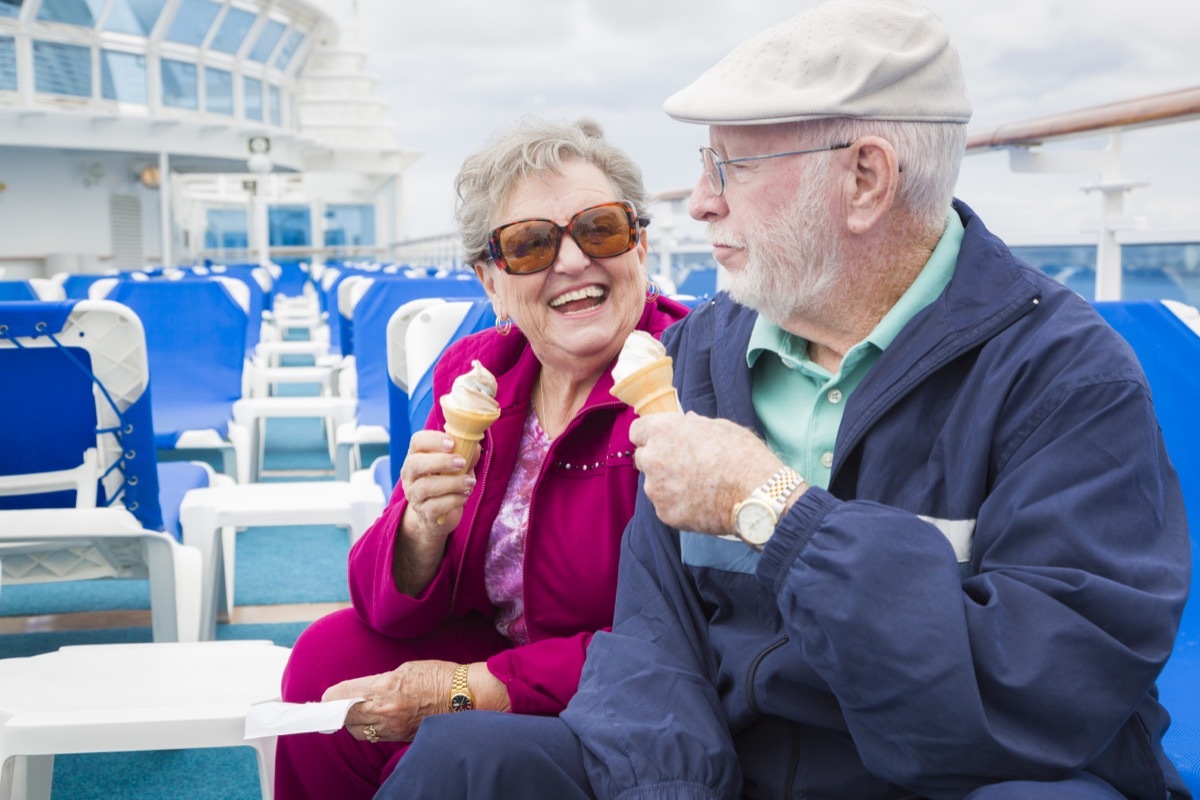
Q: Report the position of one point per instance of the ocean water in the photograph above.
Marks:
(1149, 271)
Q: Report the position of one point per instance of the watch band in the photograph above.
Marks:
(780, 487)
(460, 694)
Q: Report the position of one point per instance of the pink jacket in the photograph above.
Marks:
(582, 500)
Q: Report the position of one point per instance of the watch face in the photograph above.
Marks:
(755, 522)
(460, 702)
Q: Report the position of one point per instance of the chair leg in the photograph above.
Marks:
(265, 749)
(32, 777)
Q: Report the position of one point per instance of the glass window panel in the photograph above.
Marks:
(8, 64)
(134, 16)
(62, 69)
(218, 88)
(73, 12)
(192, 21)
(290, 226)
(123, 76)
(179, 84)
(275, 110)
(10, 8)
(232, 31)
(267, 41)
(226, 229)
(294, 40)
(252, 98)
(349, 225)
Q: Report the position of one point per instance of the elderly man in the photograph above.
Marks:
(972, 588)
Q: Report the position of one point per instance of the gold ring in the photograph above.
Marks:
(372, 736)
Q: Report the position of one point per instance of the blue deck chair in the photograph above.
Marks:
(196, 337)
(379, 298)
(427, 337)
(1169, 351)
(81, 493)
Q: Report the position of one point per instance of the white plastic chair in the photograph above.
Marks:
(85, 542)
(128, 697)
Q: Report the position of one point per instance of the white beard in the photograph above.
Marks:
(793, 261)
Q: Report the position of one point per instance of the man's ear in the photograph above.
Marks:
(872, 184)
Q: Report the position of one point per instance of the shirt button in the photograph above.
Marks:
(827, 460)
(835, 396)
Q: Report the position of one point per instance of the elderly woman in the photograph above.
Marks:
(482, 590)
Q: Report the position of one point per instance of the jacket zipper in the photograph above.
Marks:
(752, 701)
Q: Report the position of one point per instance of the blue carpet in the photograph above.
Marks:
(273, 565)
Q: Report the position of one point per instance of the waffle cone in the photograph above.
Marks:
(466, 428)
(649, 390)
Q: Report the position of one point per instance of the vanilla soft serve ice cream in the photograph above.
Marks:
(642, 376)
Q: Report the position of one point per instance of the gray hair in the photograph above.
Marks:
(529, 148)
(930, 152)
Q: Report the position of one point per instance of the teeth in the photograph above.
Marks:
(578, 294)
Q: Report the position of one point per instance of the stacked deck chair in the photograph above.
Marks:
(1166, 338)
(371, 304)
(417, 336)
(196, 337)
(81, 493)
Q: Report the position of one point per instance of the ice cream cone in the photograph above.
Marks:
(649, 389)
(466, 428)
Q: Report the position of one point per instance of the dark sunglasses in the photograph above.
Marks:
(531, 245)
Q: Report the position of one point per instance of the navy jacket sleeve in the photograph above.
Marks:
(656, 661)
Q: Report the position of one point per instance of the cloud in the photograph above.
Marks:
(452, 72)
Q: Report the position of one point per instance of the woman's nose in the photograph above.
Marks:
(570, 258)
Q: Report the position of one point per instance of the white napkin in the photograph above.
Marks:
(274, 718)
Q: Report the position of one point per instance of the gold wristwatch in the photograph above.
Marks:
(755, 518)
(460, 694)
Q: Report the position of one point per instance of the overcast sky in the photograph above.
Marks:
(453, 71)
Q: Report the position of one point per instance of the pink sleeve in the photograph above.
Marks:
(372, 588)
(542, 677)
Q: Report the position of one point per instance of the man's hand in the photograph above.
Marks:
(698, 468)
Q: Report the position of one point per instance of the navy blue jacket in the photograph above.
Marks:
(855, 656)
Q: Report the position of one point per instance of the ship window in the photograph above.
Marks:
(290, 46)
(218, 87)
(179, 84)
(253, 99)
(10, 8)
(349, 226)
(62, 69)
(267, 41)
(72, 12)
(8, 64)
(275, 110)
(134, 16)
(123, 76)
(226, 229)
(192, 21)
(232, 31)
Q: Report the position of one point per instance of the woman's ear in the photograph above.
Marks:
(487, 276)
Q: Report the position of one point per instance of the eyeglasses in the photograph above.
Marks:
(531, 245)
(714, 165)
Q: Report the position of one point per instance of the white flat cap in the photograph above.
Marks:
(872, 59)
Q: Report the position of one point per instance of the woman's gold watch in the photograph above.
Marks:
(460, 693)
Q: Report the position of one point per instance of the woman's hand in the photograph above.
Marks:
(396, 701)
(436, 484)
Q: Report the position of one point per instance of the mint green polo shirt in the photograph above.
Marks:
(800, 402)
